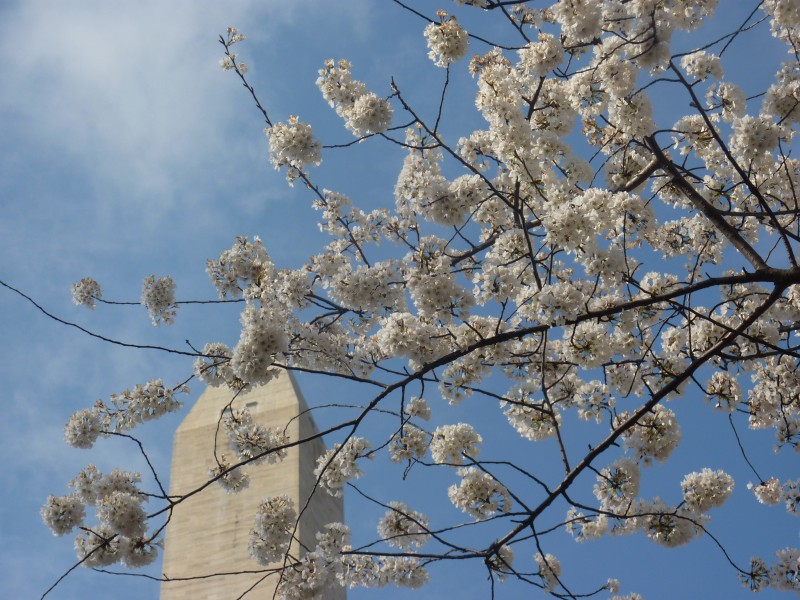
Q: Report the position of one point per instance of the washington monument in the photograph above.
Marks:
(206, 554)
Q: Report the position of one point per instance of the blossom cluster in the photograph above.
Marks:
(621, 511)
(654, 436)
(338, 465)
(229, 476)
(292, 144)
(422, 189)
(451, 443)
(773, 491)
(272, 532)
(364, 112)
(403, 527)
(253, 441)
(86, 292)
(158, 297)
(448, 41)
(240, 268)
(409, 443)
(229, 62)
(333, 563)
(549, 570)
(479, 494)
(214, 367)
(120, 535)
(706, 489)
(783, 574)
(123, 412)
(263, 337)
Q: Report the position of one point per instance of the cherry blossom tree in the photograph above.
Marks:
(586, 261)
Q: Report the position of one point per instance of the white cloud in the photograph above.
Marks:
(116, 120)
(125, 90)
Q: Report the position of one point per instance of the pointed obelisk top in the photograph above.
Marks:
(208, 533)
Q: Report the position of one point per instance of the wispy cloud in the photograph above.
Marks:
(121, 90)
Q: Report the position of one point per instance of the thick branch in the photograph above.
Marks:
(669, 388)
(728, 230)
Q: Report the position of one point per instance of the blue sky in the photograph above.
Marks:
(126, 151)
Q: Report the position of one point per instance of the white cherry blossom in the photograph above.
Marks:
(447, 41)
(271, 534)
(86, 292)
(591, 227)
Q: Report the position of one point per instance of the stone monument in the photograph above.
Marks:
(208, 532)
